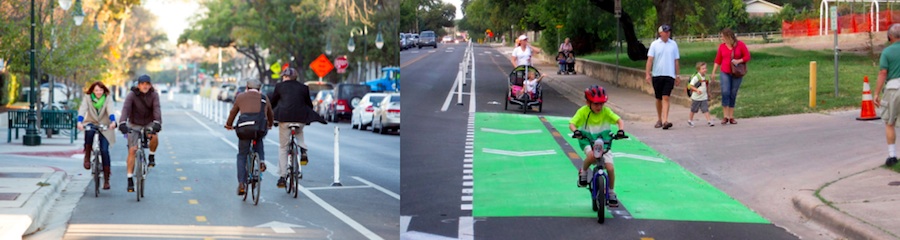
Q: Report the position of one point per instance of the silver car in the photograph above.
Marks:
(387, 114)
(363, 113)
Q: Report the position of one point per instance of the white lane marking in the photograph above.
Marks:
(214, 133)
(331, 209)
(465, 207)
(466, 228)
(519, 153)
(336, 188)
(638, 157)
(404, 223)
(510, 132)
(280, 227)
(450, 95)
(384, 190)
(422, 236)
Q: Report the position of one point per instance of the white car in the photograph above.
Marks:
(447, 39)
(362, 114)
(387, 115)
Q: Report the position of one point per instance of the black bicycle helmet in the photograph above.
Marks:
(595, 94)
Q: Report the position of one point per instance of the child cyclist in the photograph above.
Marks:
(593, 119)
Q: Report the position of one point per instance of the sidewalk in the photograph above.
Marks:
(29, 188)
(859, 206)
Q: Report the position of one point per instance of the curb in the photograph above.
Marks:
(39, 204)
(838, 222)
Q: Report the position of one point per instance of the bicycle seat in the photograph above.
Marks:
(294, 125)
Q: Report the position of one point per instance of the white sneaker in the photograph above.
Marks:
(711, 124)
(690, 123)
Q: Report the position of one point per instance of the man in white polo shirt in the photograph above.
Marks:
(663, 69)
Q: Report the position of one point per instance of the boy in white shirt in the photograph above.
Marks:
(699, 98)
(528, 86)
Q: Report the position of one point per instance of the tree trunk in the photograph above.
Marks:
(665, 12)
(636, 49)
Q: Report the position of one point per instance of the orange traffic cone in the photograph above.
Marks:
(868, 106)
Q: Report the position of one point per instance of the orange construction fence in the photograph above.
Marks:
(851, 23)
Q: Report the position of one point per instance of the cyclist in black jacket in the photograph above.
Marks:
(292, 104)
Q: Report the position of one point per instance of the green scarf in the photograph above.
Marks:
(98, 103)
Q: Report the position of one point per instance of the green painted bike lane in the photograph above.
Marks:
(519, 170)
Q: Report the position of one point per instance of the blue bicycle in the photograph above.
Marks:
(602, 143)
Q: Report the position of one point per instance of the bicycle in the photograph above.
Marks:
(293, 175)
(600, 178)
(141, 168)
(254, 174)
(96, 165)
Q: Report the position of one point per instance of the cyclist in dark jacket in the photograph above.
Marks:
(141, 110)
(292, 104)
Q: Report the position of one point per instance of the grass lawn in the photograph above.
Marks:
(777, 82)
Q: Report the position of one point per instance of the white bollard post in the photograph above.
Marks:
(460, 77)
(337, 158)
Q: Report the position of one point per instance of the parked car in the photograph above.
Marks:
(363, 112)
(427, 38)
(403, 41)
(447, 39)
(387, 114)
(321, 102)
(346, 97)
(227, 91)
(415, 39)
(316, 86)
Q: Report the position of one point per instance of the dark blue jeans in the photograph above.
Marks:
(730, 86)
(243, 152)
(104, 146)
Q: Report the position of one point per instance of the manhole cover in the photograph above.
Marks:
(894, 183)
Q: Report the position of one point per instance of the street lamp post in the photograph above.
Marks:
(32, 138)
(352, 46)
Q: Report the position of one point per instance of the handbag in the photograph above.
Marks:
(252, 125)
(738, 70)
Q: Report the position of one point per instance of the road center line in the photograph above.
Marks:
(331, 209)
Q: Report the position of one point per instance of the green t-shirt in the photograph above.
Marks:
(890, 60)
(594, 123)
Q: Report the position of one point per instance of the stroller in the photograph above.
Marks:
(566, 62)
(516, 81)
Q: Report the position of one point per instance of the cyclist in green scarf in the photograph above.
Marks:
(96, 109)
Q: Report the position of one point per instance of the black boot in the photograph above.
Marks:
(106, 178)
(152, 160)
(130, 185)
(87, 156)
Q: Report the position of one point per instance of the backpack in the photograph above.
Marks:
(696, 85)
(252, 125)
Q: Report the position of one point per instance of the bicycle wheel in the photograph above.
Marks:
(138, 169)
(290, 169)
(600, 198)
(95, 170)
(294, 176)
(256, 185)
(143, 177)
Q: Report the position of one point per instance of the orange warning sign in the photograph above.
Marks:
(321, 66)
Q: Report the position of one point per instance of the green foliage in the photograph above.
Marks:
(731, 13)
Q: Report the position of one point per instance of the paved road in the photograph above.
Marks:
(532, 196)
(192, 191)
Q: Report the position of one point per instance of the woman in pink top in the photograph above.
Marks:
(731, 52)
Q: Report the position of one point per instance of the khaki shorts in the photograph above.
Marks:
(134, 138)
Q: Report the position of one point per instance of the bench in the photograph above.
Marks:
(47, 119)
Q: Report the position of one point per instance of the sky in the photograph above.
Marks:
(172, 15)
